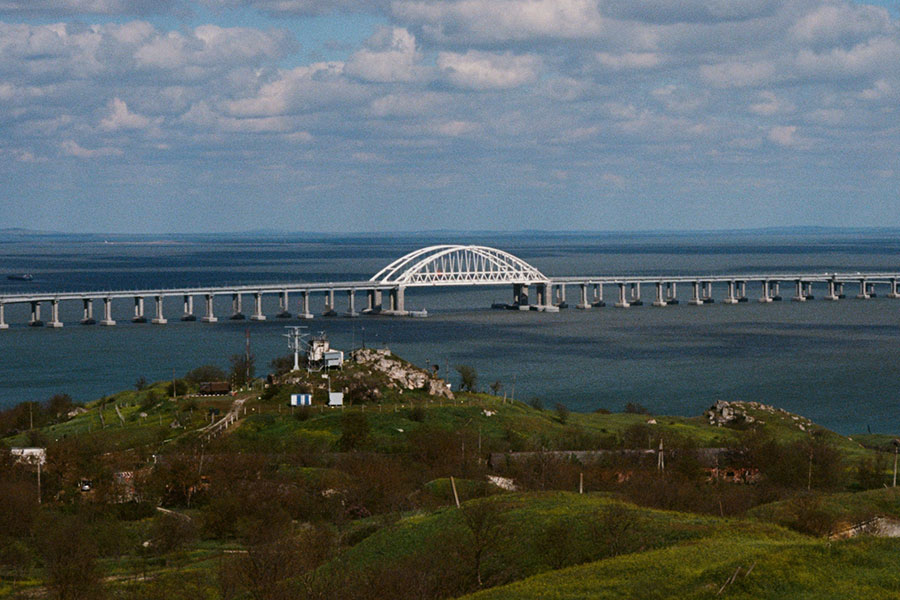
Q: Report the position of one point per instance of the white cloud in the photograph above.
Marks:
(502, 20)
(72, 148)
(770, 104)
(121, 118)
(629, 60)
(787, 136)
(477, 70)
(389, 55)
(737, 73)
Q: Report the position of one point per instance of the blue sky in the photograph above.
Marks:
(156, 116)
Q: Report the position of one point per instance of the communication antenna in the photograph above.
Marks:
(295, 337)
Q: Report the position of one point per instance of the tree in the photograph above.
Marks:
(70, 559)
(562, 413)
(282, 365)
(243, 367)
(468, 378)
(206, 373)
(496, 387)
(141, 383)
(484, 529)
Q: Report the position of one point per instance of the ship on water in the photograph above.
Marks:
(21, 277)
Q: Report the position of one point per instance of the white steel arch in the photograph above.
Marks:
(458, 265)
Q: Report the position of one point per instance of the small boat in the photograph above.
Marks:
(21, 277)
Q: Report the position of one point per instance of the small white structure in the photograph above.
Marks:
(31, 456)
(301, 399)
(335, 398)
(320, 355)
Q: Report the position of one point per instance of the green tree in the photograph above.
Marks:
(243, 368)
(206, 373)
(468, 378)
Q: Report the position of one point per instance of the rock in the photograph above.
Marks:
(401, 375)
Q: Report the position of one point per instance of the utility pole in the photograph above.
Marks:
(295, 337)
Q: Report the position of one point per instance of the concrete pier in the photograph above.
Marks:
(731, 298)
(138, 311)
(54, 314)
(237, 312)
(373, 302)
(623, 302)
(520, 296)
(257, 308)
(284, 306)
(3, 323)
(35, 320)
(397, 298)
(560, 301)
(671, 293)
(329, 304)
(209, 316)
(636, 294)
(351, 304)
(88, 315)
(863, 290)
(695, 300)
(765, 292)
(304, 306)
(893, 293)
(660, 298)
(107, 319)
(598, 296)
(799, 296)
(583, 303)
(188, 314)
(159, 319)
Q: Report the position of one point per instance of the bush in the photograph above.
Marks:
(636, 409)
(206, 373)
(468, 378)
(417, 413)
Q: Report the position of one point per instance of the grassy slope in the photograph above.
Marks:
(783, 567)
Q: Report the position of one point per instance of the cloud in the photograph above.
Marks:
(501, 20)
(787, 136)
(84, 7)
(476, 70)
(72, 148)
(770, 104)
(689, 11)
(390, 55)
(298, 8)
(629, 60)
(121, 118)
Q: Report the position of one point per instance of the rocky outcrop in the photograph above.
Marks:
(400, 375)
(724, 413)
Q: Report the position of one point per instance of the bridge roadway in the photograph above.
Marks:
(455, 265)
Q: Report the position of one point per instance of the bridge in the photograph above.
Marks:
(453, 265)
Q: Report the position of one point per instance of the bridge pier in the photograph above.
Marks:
(35, 315)
(799, 296)
(88, 314)
(520, 296)
(159, 319)
(583, 304)
(257, 308)
(807, 292)
(765, 292)
(397, 299)
(832, 288)
(304, 306)
(623, 301)
(210, 316)
(893, 293)
(188, 314)
(138, 310)
(863, 290)
(598, 295)
(671, 293)
(707, 293)
(329, 304)
(731, 298)
(695, 300)
(107, 319)
(351, 304)
(236, 307)
(660, 298)
(871, 288)
(636, 294)
(284, 306)
(373, 302)
(54, 314)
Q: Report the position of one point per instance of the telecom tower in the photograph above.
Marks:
(295, 337)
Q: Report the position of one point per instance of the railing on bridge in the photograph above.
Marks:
(455, 265)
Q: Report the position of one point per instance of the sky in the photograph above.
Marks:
(168, 116)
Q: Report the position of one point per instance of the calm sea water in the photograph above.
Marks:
(834, 362)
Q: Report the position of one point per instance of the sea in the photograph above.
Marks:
(837, 363)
